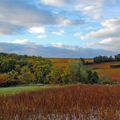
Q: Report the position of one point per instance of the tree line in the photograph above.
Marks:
(101, 59)
(22, 69)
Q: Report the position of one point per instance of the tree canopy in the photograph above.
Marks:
(22, 69)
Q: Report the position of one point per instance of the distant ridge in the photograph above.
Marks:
(50, 51)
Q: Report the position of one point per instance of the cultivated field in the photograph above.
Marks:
(103, 69)
(62, 62)
(75, 102)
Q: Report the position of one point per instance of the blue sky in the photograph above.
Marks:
(58, 23)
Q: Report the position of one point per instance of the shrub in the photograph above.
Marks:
(104, 80)
(93, 77)
(76, 72)
(3, 79)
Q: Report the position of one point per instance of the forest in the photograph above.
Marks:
(22, 69)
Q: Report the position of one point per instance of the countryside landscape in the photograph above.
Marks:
(59, 60)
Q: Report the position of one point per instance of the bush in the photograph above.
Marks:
(93, 77)
(104, 80)
(3, 79)
(76, 72)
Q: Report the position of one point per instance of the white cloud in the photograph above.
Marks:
(24, 42)
(112, 44)
(111, 23)
(92, 8)
(18, 16)
(109, 34)
(106, 41)
(110, 28)
(57, 3)
(61, 32)
(21, 41)
(58, 45)
(41, 36)
(61, 45)
(65, 22)
(38, 30)
(69, 22)
(93, 11)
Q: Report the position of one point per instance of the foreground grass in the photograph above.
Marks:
(9, 91)
(73, 102)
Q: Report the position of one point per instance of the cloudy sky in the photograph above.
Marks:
(61, 23)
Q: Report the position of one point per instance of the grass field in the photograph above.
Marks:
(20, 89)
(74, 102)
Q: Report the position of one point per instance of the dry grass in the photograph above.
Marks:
(76, 102)
(104, 69)
(62, 62)
(103, 65)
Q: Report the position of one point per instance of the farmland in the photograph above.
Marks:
(103, 69)
(62, 62)
(73, 102)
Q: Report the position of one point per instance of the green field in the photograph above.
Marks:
(19, 89)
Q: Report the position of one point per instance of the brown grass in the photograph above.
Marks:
(75, 102)
(62, 62)
(104, 70)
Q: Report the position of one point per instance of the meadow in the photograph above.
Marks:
(72, 102)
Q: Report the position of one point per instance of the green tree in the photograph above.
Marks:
(7, 65)
(54, 77)
(12, 78)
(41, 69)
(82, 60)
(26, 75)
(93, 77)
(77, 72)
(71, 73)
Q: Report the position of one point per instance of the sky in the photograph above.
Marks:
(67, 24)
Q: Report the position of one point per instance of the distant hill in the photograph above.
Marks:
(50, 51)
